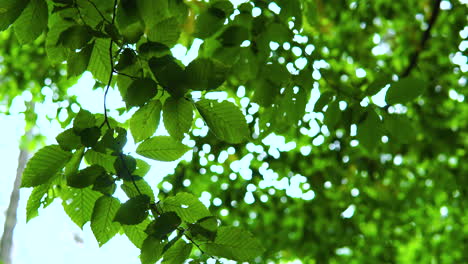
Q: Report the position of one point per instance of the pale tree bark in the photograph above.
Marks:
(6, 243)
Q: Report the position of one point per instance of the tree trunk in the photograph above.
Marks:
(6, 243)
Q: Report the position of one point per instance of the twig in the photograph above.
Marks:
(100, 13)
(426, 35)
(106, 118)
(124, 74)
(195, 243)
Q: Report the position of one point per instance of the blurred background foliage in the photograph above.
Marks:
(333, 173)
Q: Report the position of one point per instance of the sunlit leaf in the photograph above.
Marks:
(44, 165)
(234, 243)
(178, 116)
(102, 219)
(162, 148)
(225, 120)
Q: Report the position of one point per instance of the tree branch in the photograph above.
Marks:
(425, 37)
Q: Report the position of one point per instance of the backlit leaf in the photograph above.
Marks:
(178, 253)
(225, 120)
(102, 219)
(151, 250)
(79, 204)
(136, 233)
(32, 21)
(10, 11)
(162, 148)
(178, 116)
(205, 74)
(187, 206)
(234, 243)
(44, 165)
(145, 121)
(85, 177)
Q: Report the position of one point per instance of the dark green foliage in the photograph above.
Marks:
(178, 116)
(334, 131)
(164, 225)
(140, 91)
(151, 250)
(85, 177)
(134, 211)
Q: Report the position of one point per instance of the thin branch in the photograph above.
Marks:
(106, 118)
(195, 243)
(100, 13)
(426, 35)
(127, 75)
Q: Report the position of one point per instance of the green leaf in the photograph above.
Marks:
(164, 225)
(400, 128)
(131, 191)
(134, 211)
(187, 206)
(105, 184)
(225, 120)
(78, 62)
(332, 115)
(140, 91)
(178, 116)
(32, 21)
(90, 136)
(104, 160)
(204, 229)
(166, 31)
(369, 132)
(127, 58)
(205, 74)
(233, 36)
(124, 166)
(44, 165)
(169, 74)
(405, 90)
(79, 204)
(279, 33)
(162, 148)
(99, 63)
(102, 219)
(323, 100)
(113, 139)
(234, 243)
(85, 177)
(10, 10)
(145, 121)
(74, 163)
(129, 22)
(56, 52)
(68, 140)
(75, 37)
(35, 200)
(136, 233)
(84, 119)
(209, 22)
(151, 250)
(142, 168)
(152, 11)
(178, 253)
